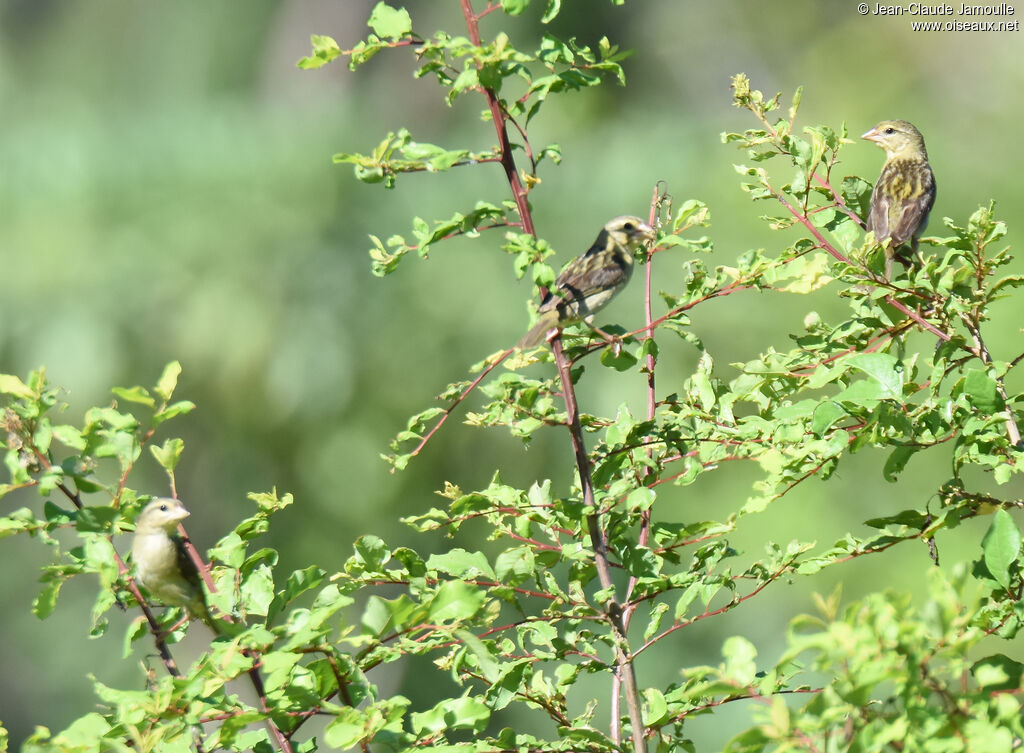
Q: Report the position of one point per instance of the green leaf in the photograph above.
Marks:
(96, 519)
(325, 49)
(136, 394)
(622, 360)
(301, 581)
(739, 656)
(99, 555)
(640, 499)
(17, 521)
(70, 437)
(83, 733)
(347, 729)
(454, 713)
(168, 381)
(983, 392)
(46, 600)
(825, 415)
(461, 564)
(514, 7)
(138, 628)
(1001, 547)
(258, 590)
(168, 454)
(468, 79)
(390, 23)
(12, 385)
(883, 369)
(456, 601)
(655, 709)
(488, 666)
(998, 672)
(509, 685)
(513, 566)
(371, 553)
(897, 461)
(174, 409)
(553, 9)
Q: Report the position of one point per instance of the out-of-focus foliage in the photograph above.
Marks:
(183, 206)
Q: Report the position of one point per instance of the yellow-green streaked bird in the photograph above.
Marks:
(162, 564)
(591, 280)
(905, 191)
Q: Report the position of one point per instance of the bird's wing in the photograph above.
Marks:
(878, 216)
(186, 566)
(197, 599)
(901, 201)
(913, 217)
(586, 274)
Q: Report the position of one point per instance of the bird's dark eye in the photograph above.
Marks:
(629, 227)
(163, 508)
(890, 130)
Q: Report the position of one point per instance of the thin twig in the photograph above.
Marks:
(645, 516)
(713, 613)
(944, 336)
(504, 145)
(839, 200)
(519, 194)
(623, 658)
(1012, 429)
(465, 393)
(283, 743)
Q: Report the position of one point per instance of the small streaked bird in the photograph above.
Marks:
(905, 191)
(591, 280)
(162, 564)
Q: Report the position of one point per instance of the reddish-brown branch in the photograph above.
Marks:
(529, 620)
(128, 469)
(465, 393)
(488, 10)
(527, 149)
(1012, 430)
(519, 195)
(542, 701)
(624, 661)
(839, 200)
(283, 743)
(597, 539)
(516, 511)
(645, 516)
(721, 610)
(753, 695)
(802, 219)
(504, 145)
(472, 581)
(648, 315)
(944, 336)
(872, 345)
(720, 293)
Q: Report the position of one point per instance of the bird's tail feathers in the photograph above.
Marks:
(537, 332)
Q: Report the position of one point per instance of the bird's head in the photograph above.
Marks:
(629, 232)
(163, 513)
(898, 138)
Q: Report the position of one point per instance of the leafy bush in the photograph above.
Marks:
(570, 583)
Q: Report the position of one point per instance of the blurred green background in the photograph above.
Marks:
(167, 192)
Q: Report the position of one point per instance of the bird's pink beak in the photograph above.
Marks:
(871, 135)
(180, 514)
